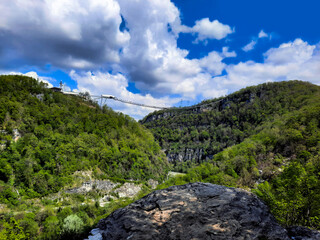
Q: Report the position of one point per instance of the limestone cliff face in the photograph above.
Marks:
(187, 154)
(198, 132)
(203, 107)
(197, 211)
(197, 116)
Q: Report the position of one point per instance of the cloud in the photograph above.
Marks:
(178, 76)
(212, 63)
(290, 61)
(152, 58)
(250, 46)
(67, 34)
(226, 53)
(297, 51)
(47, 80)
(262, 34)
(205, 29)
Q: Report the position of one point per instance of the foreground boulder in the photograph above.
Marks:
(194, 211)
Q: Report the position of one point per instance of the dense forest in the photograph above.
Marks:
(46, 136)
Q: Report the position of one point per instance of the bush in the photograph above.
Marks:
(72, 224)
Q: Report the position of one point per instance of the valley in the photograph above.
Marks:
(66, 162)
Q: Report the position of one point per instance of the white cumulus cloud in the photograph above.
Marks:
(212, 63)
(206, 29)
(295, 60)
(75, 33)
(297, 51)
(152, 58)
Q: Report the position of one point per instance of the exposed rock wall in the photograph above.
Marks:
(196, 211)
(105, 185)
(179, 151)
(128, 190)
(110, 190)
(191, 154)
(188, 154)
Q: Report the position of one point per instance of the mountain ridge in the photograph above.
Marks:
(194, 134)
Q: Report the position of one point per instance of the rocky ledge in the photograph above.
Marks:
(197, 211)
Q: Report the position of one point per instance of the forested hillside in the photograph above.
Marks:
(50, 142)
(62, 134)
(284, 158)
(192, 135)
(280, 159)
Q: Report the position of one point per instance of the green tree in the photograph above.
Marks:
(12, 231)
(51, 228)
(72, 225)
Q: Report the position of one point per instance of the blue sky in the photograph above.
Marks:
(284, 20)
(160, 52)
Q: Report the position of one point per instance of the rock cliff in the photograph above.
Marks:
(196, 133)
(197, 211)
(196, 150)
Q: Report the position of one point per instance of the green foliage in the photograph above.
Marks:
(51, 228)
(12, 231)
(285, 156)
(294, 195)
(63, 213)
(62, 134)
(30, 226)
(8, 195)
(72, 225)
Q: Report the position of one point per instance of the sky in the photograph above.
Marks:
(160, 52)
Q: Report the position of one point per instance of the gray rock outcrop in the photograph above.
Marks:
(152, 183)
(195, 211)
(128, 190)
(187, 154)
(103, 185)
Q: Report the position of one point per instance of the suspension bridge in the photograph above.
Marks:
(104, 97)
